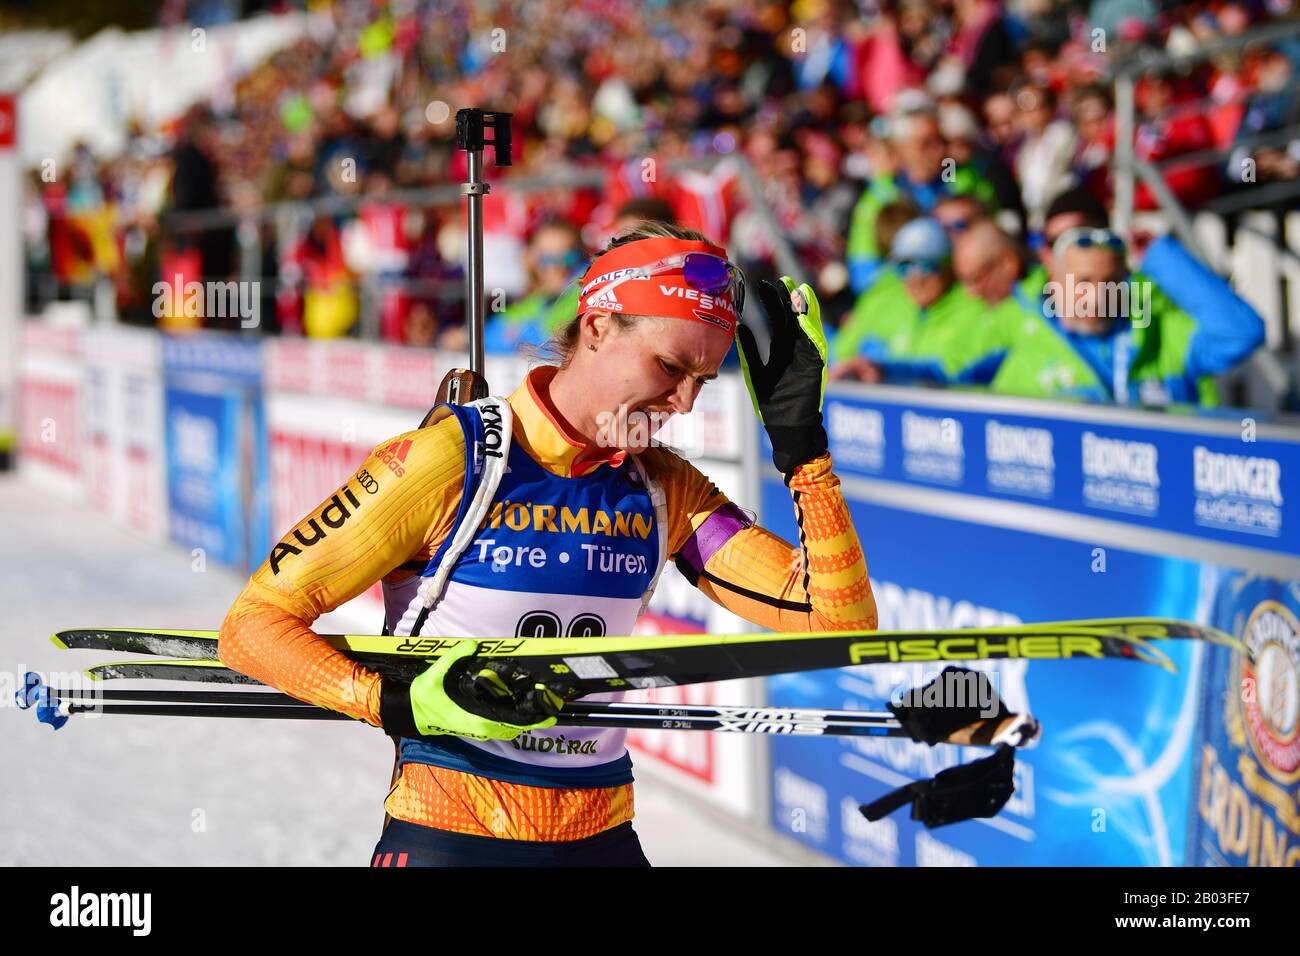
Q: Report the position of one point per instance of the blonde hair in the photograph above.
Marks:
(564, 342)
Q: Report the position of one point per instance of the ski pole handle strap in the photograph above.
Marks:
(882, 807)
(964, 792)
(395, 707)
(956, 699)
(438, 701)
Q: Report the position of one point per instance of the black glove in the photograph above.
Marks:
(787, 389)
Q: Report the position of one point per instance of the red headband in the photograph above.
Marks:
(664, 294)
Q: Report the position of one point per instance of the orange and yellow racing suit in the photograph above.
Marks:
(569, 542)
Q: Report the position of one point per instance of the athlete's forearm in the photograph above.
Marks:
(379, 518)
(820, 586)
(264, 641)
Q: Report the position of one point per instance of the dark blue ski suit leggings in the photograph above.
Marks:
(409, 844)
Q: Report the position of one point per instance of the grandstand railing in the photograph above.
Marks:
(284, 222)
(1251, 236)
(290, 219)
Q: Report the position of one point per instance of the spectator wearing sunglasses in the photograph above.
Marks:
(554, 258)
(1072, 208)
(957, 214)
(1173, 271)
(916, 324)
(1100, 333)
(921, 170)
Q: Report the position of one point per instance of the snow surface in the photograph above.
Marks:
(180, 791)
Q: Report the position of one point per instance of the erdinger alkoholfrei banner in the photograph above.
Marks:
(1246, 807)
(1107, 785)
(976, 510)
(1223, 480)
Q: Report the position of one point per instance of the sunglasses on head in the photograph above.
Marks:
(702, 271)
(1086, 238)
(916, 267)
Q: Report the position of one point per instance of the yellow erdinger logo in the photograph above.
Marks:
(967, 648)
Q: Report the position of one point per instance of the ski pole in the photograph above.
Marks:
(611, 710)
(462, 385)
(305, 712)
(266, 698)
(572, 708)
(630, 721)
(1021, 729)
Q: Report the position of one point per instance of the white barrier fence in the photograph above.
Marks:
(94, 427)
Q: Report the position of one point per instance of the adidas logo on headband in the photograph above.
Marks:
(605, 299)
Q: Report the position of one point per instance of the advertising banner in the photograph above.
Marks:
(1107, 785)
(123, 414)
(217, 475)
(975, 511)
(50, 382)
(1223, 480)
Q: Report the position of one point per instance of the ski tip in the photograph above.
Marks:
(1142, 650)
(1224, 639)
(57, 638)
(1163, 662)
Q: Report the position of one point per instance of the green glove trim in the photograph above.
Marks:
(789, 389)
(424, 707)
(810, 320)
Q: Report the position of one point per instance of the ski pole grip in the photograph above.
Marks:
(472, 126)
(29, 694)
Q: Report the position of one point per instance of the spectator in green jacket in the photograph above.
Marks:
(1071, 209)
(1097, 332)
(916, 324)
(988, 261)
(555, 257)
(923, 172)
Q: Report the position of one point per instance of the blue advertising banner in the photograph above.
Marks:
(979, 510)
(1221, 481)
(1109, 783)
(217, 457)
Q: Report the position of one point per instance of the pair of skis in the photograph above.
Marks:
(576, 667)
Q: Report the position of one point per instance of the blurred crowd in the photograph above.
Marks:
(939, 167)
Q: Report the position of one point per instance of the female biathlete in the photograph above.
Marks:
(551, 513)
